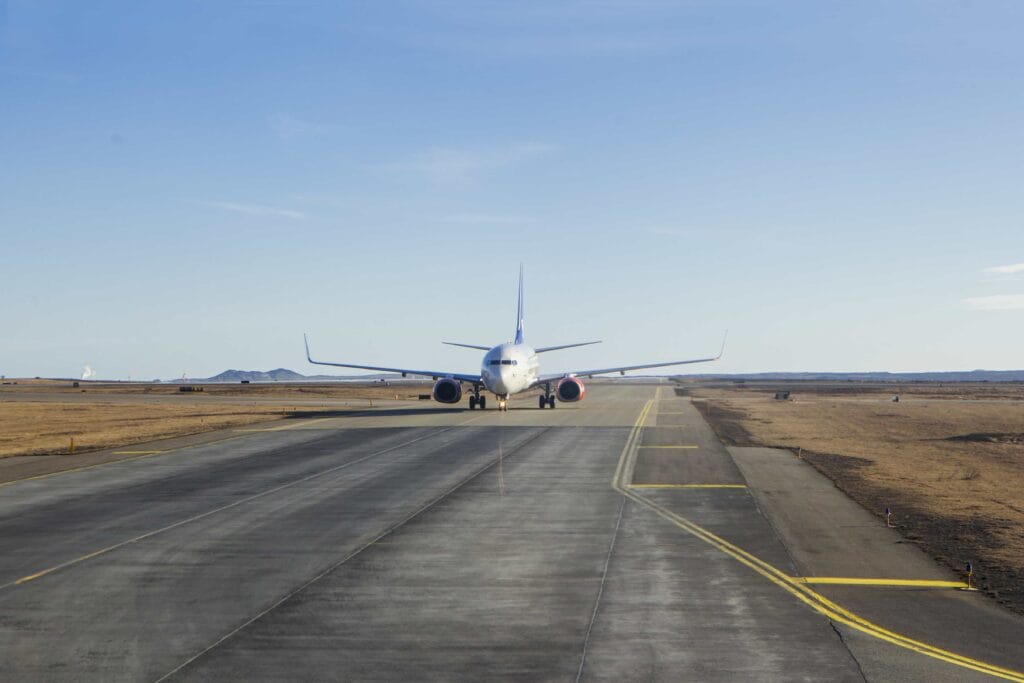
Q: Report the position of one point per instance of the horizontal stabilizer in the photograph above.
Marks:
(565, 346)
(468, 346)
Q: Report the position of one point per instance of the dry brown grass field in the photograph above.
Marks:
(948, 460)
(40, 417)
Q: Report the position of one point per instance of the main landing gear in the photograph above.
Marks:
(547, 400)
(477, 400)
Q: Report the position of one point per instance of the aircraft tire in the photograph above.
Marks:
(551, 401)
(472, 402)
(483, 403)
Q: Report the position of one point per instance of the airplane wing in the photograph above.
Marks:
(626, 368)
(545, 349)
(405, 371)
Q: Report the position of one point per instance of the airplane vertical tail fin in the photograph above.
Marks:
(519, 312)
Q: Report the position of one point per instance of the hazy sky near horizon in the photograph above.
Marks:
(187, 187)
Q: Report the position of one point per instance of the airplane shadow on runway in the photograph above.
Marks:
(394, 412)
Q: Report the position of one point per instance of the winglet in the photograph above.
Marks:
(305, 338)
(722, 350)
(519, 311)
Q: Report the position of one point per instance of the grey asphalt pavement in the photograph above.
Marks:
(606, 540)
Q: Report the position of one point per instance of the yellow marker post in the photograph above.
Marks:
(71, 446)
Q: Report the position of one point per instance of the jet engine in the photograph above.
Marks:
(448, 390)
(569, 390)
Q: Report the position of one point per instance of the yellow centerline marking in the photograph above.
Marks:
(687, 448)
(801, 591)
(843, 581)
(687, 486)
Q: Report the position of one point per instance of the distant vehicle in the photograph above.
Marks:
(511, 368)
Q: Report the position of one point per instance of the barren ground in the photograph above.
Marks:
(40, 417)
(948, 460)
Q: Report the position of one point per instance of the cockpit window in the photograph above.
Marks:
(506, 362)
(494, 362)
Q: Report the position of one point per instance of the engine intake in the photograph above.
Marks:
(447, 390)
(569, 390)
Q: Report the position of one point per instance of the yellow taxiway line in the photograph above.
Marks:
(686, 448)
(800, 591)
(843, 581)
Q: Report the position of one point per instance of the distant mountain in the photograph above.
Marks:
(962, 376)
(278, 375)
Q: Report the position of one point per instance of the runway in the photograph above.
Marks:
(614, 539)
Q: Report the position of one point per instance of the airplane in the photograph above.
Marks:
(511, 368)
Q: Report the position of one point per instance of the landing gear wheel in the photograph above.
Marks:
(543, 402)
(551, 401)
(472, 402)
(482, 402)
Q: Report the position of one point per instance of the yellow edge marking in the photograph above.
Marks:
(687, 486)
(112, 462)
(688, 448)
(841, 581)
(175, 525)
(282, 428)
(145, 454)
(811, 598)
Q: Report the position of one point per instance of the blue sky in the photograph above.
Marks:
(187, 187)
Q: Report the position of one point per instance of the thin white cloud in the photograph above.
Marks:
(257, 210)
(287, 127)
(996, 302)
(455, 163)
(669, 231)
(1012, 269)
(483, 218)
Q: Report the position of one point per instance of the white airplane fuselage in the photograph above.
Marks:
(510, 369)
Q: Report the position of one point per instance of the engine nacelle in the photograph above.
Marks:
(447, 390)
(570, 390)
